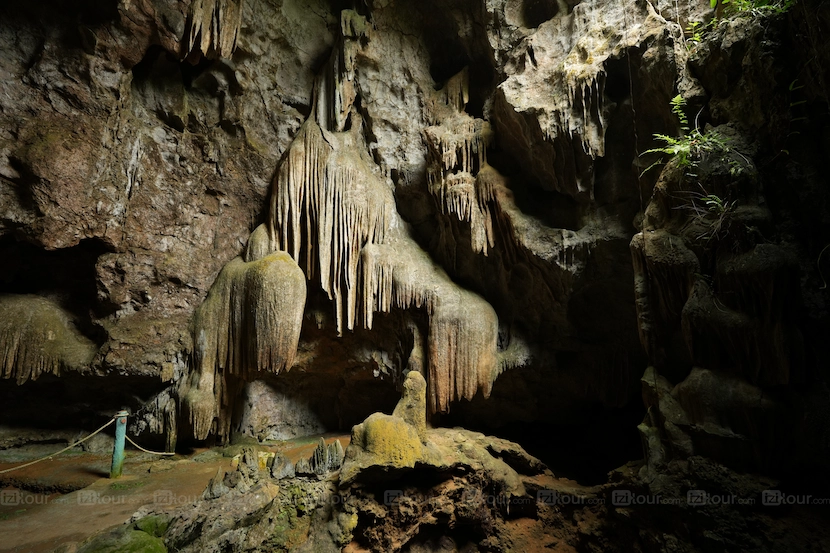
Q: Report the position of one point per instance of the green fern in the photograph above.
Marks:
(691, 146)
(757, 7)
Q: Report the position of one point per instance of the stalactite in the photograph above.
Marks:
(214, 27)
(457, 90)
(465, 185)
(335, 91)
(37, 337)
(248, 325)
(335, 215)
(463, 327)
(457, 152)
(337, 218)
(326, 205)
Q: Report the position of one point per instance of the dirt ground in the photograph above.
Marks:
(71, 497)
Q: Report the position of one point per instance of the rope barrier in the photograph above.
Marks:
(79, 442)
(147, 450)
(67, 448)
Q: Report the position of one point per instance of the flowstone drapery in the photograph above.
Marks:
(37, 337)
(334, 214)
(248, 325)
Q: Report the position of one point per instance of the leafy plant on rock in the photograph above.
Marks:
(708, 210)
(713, 212)
(691, 145)
(756, 7)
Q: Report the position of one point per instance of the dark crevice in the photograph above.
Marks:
(554, 209)
(451, 50)
(536, 12)
(302, 108)
(86, 12)
(65, 276)
(72, 401)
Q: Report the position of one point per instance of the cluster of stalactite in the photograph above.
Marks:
(338, 218)
(214, 27)
(37, 337)
(333, 214)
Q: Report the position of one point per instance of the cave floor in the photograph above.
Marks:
(36, 517)
(71, 497)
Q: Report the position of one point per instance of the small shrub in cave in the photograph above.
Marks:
(692, 145)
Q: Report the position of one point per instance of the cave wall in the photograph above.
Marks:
(504, 138)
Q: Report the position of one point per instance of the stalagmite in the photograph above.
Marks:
(214, 27)
(37, 337)
(260, 244)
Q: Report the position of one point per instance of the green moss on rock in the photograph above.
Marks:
(124, 540)
(155, 525)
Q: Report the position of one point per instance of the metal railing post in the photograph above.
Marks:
(118, 448)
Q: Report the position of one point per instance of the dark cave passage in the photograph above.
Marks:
(72, 401)
(584, 451)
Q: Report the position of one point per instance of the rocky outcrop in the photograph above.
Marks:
(717, 277)
(314, 505)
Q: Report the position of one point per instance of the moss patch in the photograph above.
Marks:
(124, 540)
(154, 525)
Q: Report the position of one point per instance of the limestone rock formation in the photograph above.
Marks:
(214, 27)
(391, 442)
(37, 337)
(387, 447)
(717, 298)
(248, 325)
(501, 196)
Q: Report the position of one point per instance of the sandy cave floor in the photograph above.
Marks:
(70, 497)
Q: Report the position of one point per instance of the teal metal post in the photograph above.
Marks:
(118, 449)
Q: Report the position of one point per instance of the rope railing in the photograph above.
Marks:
(79, 442)
(147, 450)
(67, 448)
